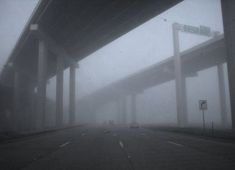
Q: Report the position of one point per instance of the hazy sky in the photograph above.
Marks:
(13, 16)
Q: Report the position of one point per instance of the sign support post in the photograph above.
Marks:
(203, 107)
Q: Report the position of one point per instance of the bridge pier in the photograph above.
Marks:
(123, 110)
(26, 104)
(59, 91)
(228, 7)
(22, 116)
(119, 111)
(222, 95)
(133, 109)
(32, 116)
(180, 80)
(42, 82)
(16, 99)
(72, 91)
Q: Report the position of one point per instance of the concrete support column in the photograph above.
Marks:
(133, 108)
(14, 120)
(180, 82)
(228, 11)
(22, 111)
(25, 103)
(118, 104)
(59, 91)
(42, 79)
(118, 111)
(72, 93)
(222, 95)
(90, 110)
(32, 109)
(123, 110)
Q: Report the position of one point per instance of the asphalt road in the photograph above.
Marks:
(111, 148)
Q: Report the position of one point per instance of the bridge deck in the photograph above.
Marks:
(80, 27)
(200, 57)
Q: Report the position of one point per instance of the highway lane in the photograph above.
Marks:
(110, 147)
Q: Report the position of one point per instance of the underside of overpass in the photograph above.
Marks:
(58, 35)
(78, 28)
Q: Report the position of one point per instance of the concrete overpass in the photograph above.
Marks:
(60, 33)
(109, 147)
(203, 56)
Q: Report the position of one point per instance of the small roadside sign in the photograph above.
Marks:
(203, 104)
(203, 107)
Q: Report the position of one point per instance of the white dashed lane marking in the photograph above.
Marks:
(176, 144)
(64, 144)
(121, 144)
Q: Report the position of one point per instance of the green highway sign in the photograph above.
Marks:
(201, 30)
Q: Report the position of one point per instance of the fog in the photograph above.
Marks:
(13, 16)
(138, 49)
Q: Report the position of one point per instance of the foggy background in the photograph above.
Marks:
(138, 49)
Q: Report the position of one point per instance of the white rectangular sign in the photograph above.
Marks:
(203, 104)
